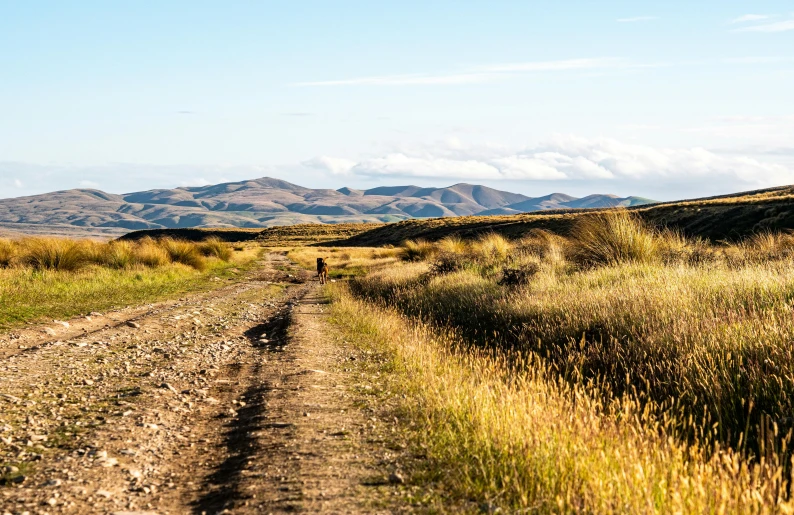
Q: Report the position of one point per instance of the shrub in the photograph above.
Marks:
(185, 252)
(615, 237)
(418, 250)
(448, 262)
(215, 247)
(55, 254)
(8, 253)
(519, 276)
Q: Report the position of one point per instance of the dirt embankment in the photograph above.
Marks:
(238, 401)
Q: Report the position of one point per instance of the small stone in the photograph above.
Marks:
(50, 331)
(10, 469)
(66, 325)
(104, 493)
(88, 382)
(52, 501)
(134, 325)
(396, 478)
(53, 483)
(168, 387)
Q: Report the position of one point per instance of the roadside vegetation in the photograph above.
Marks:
(619, 369)
(58, 278)
(344, 262)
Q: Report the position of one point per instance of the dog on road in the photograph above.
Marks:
(322, 270)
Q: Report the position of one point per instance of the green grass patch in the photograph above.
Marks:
(29, 295)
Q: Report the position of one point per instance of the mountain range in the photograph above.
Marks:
(269, 202)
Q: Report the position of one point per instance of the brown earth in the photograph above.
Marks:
(240, 400)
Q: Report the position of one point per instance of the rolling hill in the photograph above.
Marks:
(269, 202)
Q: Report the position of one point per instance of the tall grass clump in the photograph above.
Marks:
(417, 250)
(116, 254)
(492, 248)
(185, 252)
(615, 237)
(8, 253)
(216, 248)
(452, 244)
(149, 253)
(55, 254)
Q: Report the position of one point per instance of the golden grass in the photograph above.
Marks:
(62, 254)
(417, 250)
(500, 427)
(615, 237)
(345, 261)
(215, 247)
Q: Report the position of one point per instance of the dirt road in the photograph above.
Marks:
(240, 400)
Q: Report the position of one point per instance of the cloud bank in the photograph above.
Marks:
(565, 158)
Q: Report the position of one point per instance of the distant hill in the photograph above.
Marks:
(269, 202)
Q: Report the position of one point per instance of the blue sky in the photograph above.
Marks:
(661, 99)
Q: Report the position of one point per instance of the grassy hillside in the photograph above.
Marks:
(281, 236)
(727, 217)
(620, 369)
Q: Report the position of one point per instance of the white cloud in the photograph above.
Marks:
(562, 65)
(778, 26)
(405, 80)
(635, 19)
(756, 60)
(750, 17)
(334, 165)
(477, 74)
(569, 158)
(18, 183)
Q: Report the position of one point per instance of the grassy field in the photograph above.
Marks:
(617, 365)
(345, 262)
(45, 279)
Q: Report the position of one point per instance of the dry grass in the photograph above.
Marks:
(453, 245)
(347, 261)
(67, 255)
(615, 237)
(500, 428)
(217, 248)
(8, 253)
(417, 250)
(697, 334)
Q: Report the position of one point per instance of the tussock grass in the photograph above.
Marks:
(54, 254)
(8, 253)
(150, 254)
(62, 254)
(503, 427)
(492, 248)
(184, 252)
(417, 250)
(217, 248)
(452, 245)
(615, 237)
